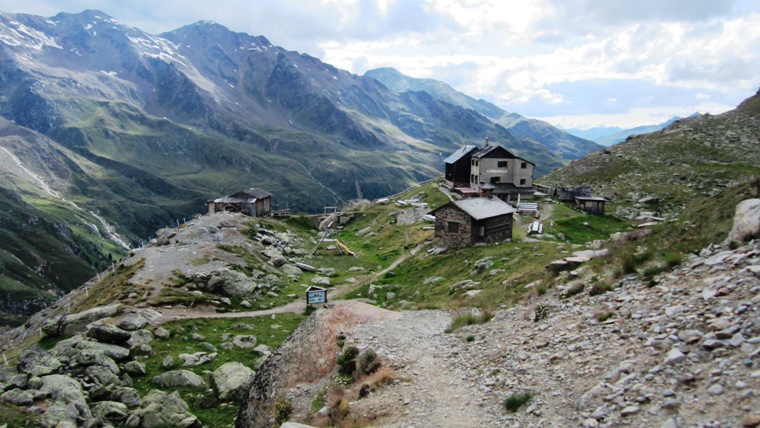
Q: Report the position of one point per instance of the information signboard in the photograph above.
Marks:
(316, 295)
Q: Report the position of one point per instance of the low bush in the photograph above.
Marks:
(599, 287)
(347, 361)
(542, 311)
(469, 318)
(515, 401)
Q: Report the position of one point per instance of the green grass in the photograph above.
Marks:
(584, 228)
(469, 318)
(202, 402)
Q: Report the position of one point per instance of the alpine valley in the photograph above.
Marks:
(108, 133)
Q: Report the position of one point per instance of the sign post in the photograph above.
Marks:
(316, 295)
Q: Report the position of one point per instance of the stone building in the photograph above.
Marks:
(254, 202)
(473, 220)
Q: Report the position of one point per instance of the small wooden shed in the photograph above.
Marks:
(254, 202)
(591, 204)
(474, 220)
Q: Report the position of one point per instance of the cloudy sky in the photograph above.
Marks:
(574, 63)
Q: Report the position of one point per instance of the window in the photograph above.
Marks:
(501, 164)
(524, 165)
(495, 180)
(522, 182)
(452, 227)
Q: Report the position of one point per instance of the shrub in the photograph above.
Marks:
(599, 287)
(347, 361)
(469, 318)
(541, 289)
(604, 315)
(368, 363)
(515, 401)
(572, 289)
(282, 411)
(541, 312)
(470, 338)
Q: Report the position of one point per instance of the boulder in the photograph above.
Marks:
(101, 375)
(70, 347)
(66, 401)
(289, 269)
(140, 337)
(746, 220)
(109, 413)
(196, 359)
(161, 333)
(126, 395)
(232, 380)
(17, 397)
(108, 333)
(231, 283)
(135, 368)
(133, 321)
(69, 324)
(321, 280)
(244, 341)
(162, 410)
(35, 361)
(179, 378)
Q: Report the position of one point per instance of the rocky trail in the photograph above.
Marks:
(684, 352)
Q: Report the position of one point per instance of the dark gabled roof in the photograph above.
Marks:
(497, 151)
(460, 153)
(482, 208)
(246, 196)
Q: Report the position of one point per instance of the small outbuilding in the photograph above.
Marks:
(254, 202)
(591, 204)
(474, 220)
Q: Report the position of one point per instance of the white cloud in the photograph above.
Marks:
(552, 58)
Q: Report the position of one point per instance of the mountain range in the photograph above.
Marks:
(611, 135)
(109, 133)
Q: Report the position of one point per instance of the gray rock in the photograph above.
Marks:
(108, 333)
(746, 220)
(110, 413)
(90, 357)
(295, 425)
(67, 400)
(140, 337)
(179, 378)
(231, 283)
(35, 361)
(675, 356)
(630, 410)
(69, 324)
(715, 390)
(306, 268)
(126, 395)
(161, 333)
(168, 362)
(321, 280)
(329, 272)
(133, 321)
(101, 375)
(11, 378)
(196, 359)
(135, 368)
(17, 397)
(208, 347)
(198, 337)
(232, 380)
(162, 410)
(244, 341)
(76, 344)
(673, 422)
(278, 261)
(289, 269)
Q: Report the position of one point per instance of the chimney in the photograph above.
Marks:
(487, 143)
(486, 190)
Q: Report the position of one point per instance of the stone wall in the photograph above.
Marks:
(497, 229)
(448, 214)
